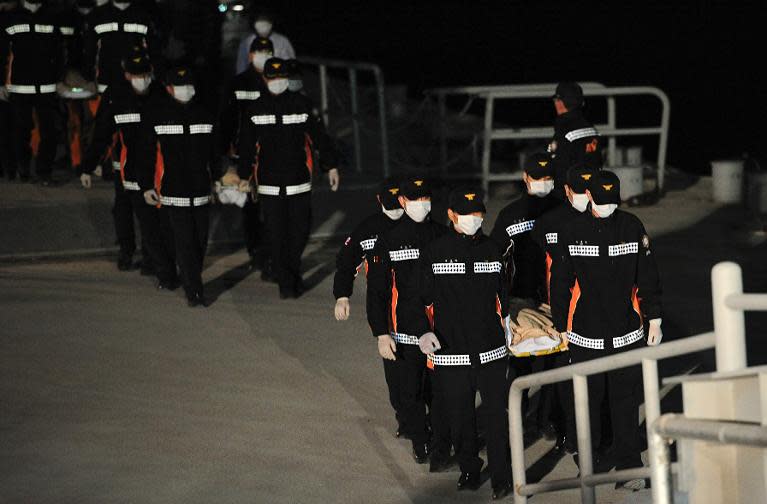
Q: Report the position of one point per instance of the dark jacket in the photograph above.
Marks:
(244, 89)
(608, 281)
(577, 142)
(357, 250)
(73, 26)
(31, 51)
(464, 284)
(395, 300)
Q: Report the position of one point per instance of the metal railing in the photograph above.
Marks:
(610, 129)
(728, 338)
(353, 67)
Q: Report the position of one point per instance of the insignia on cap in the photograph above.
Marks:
(418, 183)
(543, 163)
(470, 196)
(136, 60)
(276, 65)
(608, 187)
(182, 73)
(586, 176)
(394, 190)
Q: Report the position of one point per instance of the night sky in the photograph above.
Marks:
(705, 55)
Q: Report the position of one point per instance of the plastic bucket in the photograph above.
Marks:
(757, 192)
(634, 156)
(727, 178)
(632, 182)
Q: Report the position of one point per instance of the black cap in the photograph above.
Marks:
(570, 93)
(414, 188)
(605, 187)
(261, 44)
(579, 177)
(465, 200)
(137, 62)
(294, 68)
(180, 76)
(275, 68)
(389, 192)
(538, 166)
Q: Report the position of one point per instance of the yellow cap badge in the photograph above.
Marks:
(586, 176)
(608, 187)
(276, 65)
(543, 163)
(470, 196)
(394, 190)
(418, 183)
(182, 73)
(136, 60)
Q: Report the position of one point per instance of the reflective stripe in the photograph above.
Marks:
(116, 165)
(30, 89)
(551, 238)
(135, 28)
(196, 129)
(487, 267)
(39, 28)
(106, 27)
(48, 88)
(578, 340)
(19, 28)
(102, 88)
(581, 133)
(465, 360)
(269, 190)
(185, 202)
(368, 244)
(448, 268)
(290, 190)
(627, 339)
(404, 255)
(294, 118)
(247, 95)
(264, 119)
(169, 129)
(130, 186)
(127, 118)
(404, 339)
(623, 249)
(520, 227)
(67, 30)
(584, 250)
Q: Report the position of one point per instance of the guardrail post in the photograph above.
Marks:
(487, 139)
(611, 123)
(729, 324)
(583, 428)
(442, 109)
(660, 465)
(355, 120)
(324, 94)
(655, 443)
(663, 142)
(381, 91)
(516, 437)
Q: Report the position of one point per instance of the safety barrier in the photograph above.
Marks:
(489, 133)
(353, 67)
(729, 340)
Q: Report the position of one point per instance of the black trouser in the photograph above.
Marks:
(190, 236)
(251, 226)
(392, 384)
(7, 154)
(122, 213)
(440, 423)
(25, 108)
(621, 387)
(410, 366)
(459, 385)
(288, 220)
(156, 237)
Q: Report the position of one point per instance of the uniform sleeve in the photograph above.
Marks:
(503, 291)
(322, 141)
(379, 289)
(146, 146)
(648, 279)
(562, 282)
(427, 278)
(499, 234)
(214, 162)
(347, 261)
(247, 146)
(90, 48)
(103, 133)
(5, 47)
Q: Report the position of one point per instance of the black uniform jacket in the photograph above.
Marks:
(244, 89)
(358, 249)
(577, 142)
(31, 51)
(395, 300)
(277, 139)
(463, 283)
(546, 233)
(608, 280)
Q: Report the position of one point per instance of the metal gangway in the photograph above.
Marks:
(729, 341)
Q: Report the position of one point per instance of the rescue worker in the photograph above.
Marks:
(180, 161)
(276, 156)
(263, 26)
(121, 113)
(395, 310)
(575, 138)
(32, 58)
(464, 288)
(355, 254)
(245, 88)
(605, 289)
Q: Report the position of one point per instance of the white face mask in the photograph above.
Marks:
(141, 84)
(603, 211)
(31, 7)
(579, 201)
(84, 11)
(121, 5)
(468, 224)
(259, 60)
(295, 84)
(263, 28)
(418, 210)
(393, 214)
(184, 94)
(277, 86)
(99, 3)
(540, 188)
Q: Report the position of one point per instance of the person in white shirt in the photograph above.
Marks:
(263, 24)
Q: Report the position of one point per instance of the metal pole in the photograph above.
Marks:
(324, 94)
(654, 441)
(583, 427)
(486, 144)
(729, 324)
(660, 464)
(442, 110)
(355, 120)
(611, 123)
(516, 437)
(663, 143)
(381, 90)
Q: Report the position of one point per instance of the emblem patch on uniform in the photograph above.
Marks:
(646, 241)
(470, 196)
(608, 187)
(418, 183)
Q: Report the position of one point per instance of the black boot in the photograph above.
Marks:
(502, 490)
(421, 453)
(469, 481)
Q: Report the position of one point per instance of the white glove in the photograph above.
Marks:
(244, 186)
(217, 186)
(151, 197)
(428, 343)
(565, 340)
(85, 180)
(334, 179)
(655, 334)
(552, 147)
(3, 93)
(98, 171)
(387, 347)
(342, 308)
